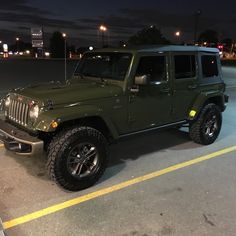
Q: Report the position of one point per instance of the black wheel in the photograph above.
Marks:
(77, 158)
(206, 128)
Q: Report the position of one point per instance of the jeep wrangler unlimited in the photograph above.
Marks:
(112, 94)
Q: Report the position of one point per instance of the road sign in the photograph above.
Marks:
(37, 33)
(37, 37)
(37, 43)
(5, 47)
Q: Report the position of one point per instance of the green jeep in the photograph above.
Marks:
(112, 94)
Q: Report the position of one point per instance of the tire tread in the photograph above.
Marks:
(195, 127)
(56, 146)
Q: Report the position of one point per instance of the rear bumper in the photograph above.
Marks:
(19, 141)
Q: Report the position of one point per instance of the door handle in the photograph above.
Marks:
(165, 90)
(192, 86)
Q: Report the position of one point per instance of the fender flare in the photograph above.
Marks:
(66, 114)
(201, 100)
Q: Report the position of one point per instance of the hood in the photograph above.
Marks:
(70, 93)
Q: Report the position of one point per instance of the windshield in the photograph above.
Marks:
(104, 65)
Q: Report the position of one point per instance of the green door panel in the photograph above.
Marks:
(150, 107)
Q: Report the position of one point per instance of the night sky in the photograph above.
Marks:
(81, 19)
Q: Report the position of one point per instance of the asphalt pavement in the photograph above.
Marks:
(182, 196)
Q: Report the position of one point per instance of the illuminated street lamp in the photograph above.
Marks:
(103, 29)
(64, 36)
(178, 34)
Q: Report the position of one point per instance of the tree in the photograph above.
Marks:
(209, 36)
(150, 35)
(57, 45)
(227, 42)
(20, 46)
(122, 44)
(71, 48)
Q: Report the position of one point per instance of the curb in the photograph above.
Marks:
(1, 229)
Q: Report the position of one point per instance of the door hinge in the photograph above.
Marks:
(131, 119)
(131, 98)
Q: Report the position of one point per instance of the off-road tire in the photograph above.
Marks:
(196, 129)
(58, 151)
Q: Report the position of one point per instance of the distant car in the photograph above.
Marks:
(115, 93)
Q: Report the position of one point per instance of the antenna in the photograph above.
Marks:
(65, 61)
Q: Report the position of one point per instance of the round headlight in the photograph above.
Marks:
(34, 112)
(7, 102)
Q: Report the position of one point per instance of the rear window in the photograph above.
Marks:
(209, 66)
(185, 66)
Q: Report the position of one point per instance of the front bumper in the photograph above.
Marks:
(19, 141)
(226, 100)
(226, 97)
(1, 229)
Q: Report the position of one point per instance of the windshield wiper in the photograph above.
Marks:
(104, 80)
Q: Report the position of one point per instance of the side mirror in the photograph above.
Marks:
(141, 80)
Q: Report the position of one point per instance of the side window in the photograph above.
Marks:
(155, 66)
(185, 66)
(209, 66)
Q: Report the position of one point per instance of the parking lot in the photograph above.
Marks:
(159, 183)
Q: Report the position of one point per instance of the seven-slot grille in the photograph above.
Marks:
(18, 112)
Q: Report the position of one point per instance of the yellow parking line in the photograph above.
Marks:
(102, 192)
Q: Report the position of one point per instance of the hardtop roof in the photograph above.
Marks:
(160, 48)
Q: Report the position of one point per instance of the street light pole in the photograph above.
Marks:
(103, 41)
(17, 43)
(1, 44)
(196, 15)
(65, 62)
(103, 29)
